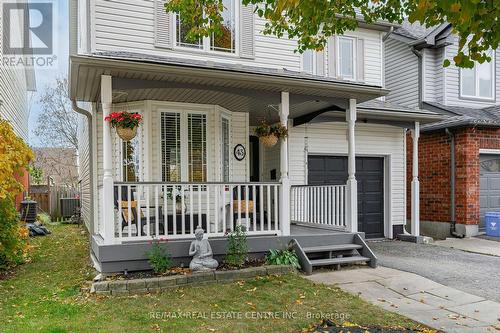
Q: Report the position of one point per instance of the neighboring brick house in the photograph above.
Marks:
(468, 99)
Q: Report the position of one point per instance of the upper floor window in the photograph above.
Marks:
(223, 42)
(478, 82)
(309, 62)
(346, 58)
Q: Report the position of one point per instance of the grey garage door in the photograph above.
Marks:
(370, 176)
(489, 185)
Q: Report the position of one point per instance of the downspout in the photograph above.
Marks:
(88, 114)
(391, 30)
(420, 76)
(453, 226)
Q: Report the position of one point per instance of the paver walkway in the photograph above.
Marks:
(475, 245)
(425, 301)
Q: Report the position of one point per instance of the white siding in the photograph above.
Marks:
(374, 140)
(84, 169)
(452, 81)
(401, 73)
(128, 25)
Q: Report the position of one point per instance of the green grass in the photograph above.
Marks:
(44, 296)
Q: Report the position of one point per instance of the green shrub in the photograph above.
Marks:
(282, 257)
(13, 237)
(43, 218)
(159, 258)
(237, 247)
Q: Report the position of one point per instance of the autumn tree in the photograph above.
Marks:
(311, 22)
(56, 125)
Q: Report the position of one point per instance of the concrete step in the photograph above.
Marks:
(332, 248)
(338, 261)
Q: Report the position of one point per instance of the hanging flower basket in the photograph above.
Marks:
(126, 124)
(269, 140)
(126, 133)
(269, 135)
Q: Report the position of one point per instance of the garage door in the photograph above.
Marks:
(489, 185)
(332, 170)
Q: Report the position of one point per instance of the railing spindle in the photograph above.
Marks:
(157, 212)
(254, 214)
(276, 208)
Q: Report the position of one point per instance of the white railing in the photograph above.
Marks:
(321, 205)
(144, 210)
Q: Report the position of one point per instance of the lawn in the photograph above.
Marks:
(44, 296)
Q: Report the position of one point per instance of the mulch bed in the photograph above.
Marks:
(331, 327)
(183, 271)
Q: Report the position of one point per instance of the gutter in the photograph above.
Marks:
(88, 114)
(420, 76)
(391, 30)
(453, 227)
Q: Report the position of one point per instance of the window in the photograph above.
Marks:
(308, 61)
(225, 149)
(492, 165)
(477, 82)
(130, 160)
(346, 58)
(224, 42)
(184, 147)
(171, 146)
(197, 147)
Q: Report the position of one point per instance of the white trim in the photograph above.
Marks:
(489, 151)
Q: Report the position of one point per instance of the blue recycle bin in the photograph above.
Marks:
(492, 221)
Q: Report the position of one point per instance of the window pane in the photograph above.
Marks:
(225, 150)
(492, 165)
(171, 146)
(130, 163)
(484, 72)
(197, 147)
(225, 41)
(181, 38)
(307, 61)
(468, 82)
(346, 61)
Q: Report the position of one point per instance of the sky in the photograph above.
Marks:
(45, 76)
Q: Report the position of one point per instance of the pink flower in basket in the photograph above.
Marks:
(124, 119)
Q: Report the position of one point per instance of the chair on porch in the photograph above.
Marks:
(244, 203)
(137, 215)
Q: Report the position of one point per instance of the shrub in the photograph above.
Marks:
(237, 247)
(13, 237)
(43, 218)
(159, 258)
(282, 257)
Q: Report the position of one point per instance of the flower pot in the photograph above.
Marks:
(269, 140)
(126, 133)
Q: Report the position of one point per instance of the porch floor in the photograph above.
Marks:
(304, 230)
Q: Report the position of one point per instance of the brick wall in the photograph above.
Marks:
(434, 173)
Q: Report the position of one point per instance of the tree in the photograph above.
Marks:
(57, 124)
(311, 22)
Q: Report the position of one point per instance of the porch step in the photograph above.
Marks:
(336, 250)
(338, 261)
(332, 248)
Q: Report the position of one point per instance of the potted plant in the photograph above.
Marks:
(126, 124)
(269, 135)
(266, 135)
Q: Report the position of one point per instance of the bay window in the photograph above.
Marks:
(478, 82)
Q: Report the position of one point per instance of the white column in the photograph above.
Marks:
(107, 181)
(352, 184)
(285, 181)
(415, 184)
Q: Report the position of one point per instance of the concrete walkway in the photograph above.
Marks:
(474, 245)
(413, 296)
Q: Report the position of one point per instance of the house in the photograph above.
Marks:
(15, 84)
(459, 155)
(339, 176)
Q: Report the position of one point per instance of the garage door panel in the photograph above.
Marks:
(494, 183)
(494, 202)
(370, 178)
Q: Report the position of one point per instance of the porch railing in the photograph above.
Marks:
(319, 204)
(144, 210)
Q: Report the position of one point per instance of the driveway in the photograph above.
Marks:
(476, 274)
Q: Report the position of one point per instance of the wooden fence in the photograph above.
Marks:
(49, 197)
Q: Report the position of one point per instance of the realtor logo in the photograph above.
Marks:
(27, 28)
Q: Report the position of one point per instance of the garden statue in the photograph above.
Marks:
(202, 253)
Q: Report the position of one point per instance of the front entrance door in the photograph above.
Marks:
(332, 170)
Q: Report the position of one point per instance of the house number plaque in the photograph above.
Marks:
(239, 152)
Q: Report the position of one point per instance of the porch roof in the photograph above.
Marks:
(251, 89)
